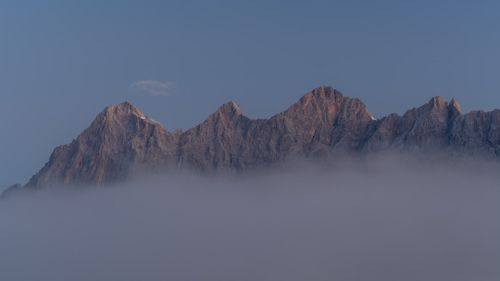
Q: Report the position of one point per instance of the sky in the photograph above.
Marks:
(62, 62)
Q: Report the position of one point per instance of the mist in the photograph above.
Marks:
(385, 218)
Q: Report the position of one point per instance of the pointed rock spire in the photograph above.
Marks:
(321, 94)
(120, 115)
(455, 106)
(229, 108)
(437, 102)
(122, 109)
(228, 111)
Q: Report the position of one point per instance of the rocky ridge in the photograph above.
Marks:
(123, 141)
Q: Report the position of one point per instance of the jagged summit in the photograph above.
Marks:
(126, 105)
(123, 116)
(325, 90)
(124, 108)
(324, 101)
(322, 93)
(455, 106)
(229, 108)
(438, 101)
(122, 140)
(119, 140)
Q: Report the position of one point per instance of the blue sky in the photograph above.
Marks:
(61, 62)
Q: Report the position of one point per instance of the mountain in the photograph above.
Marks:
(123, 141)
(120, 139)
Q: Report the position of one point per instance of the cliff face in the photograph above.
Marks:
(320, 122)
(476, 132)
(438, 126)
(122, 141)
(426, 127)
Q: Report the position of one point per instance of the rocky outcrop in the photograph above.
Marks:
(438, 126)
(476, 132)
(123, 141)
(425, 127)
(216, 143)
(320, 123)
(120, 141)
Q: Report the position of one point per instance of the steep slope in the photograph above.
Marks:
(438, 126)
(476, 132)
(320, 122)
(122, 141)
(216, 143)
(425, 127)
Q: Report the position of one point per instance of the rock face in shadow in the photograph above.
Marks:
(425, 127)
(123, 141)
(438, 126)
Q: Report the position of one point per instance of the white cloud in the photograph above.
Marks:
(153, 87)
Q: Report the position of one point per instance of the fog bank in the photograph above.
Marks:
(374, 220)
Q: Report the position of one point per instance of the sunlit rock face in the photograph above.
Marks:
(123, 141)
(119, 141)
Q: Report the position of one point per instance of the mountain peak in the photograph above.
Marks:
(438, 101)
(121, 109)
(122, 113)
(318, 97)
(324, 92)
(125, 104)
(229, 108)
(122, 140)
(455, 106)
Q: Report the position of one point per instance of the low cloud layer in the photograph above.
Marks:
(375, 220)
(153, 87)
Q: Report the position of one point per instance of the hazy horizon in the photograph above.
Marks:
(389, 218)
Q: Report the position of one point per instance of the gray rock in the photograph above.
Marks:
(119, 142)
(123, 141)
